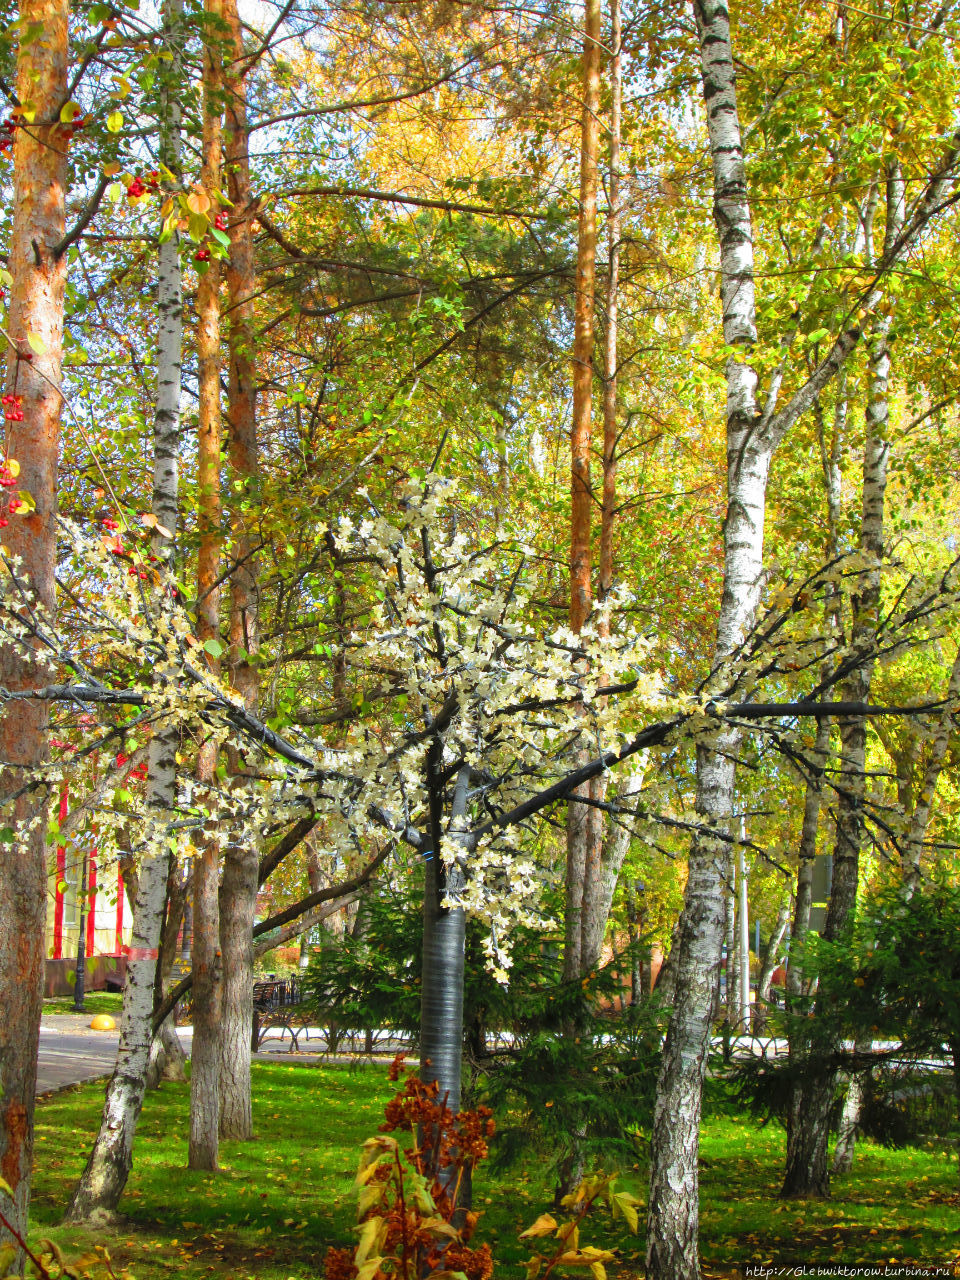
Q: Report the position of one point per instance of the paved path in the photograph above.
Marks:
(72, 1052)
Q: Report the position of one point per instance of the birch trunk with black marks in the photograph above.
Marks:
(673, 1209)
(923, 807)
(238, 893)
(36, 307)
(768, 964)
(807, 1171)
(616, 845)
(203, 1149)
(104, 1177)
(731, 1011)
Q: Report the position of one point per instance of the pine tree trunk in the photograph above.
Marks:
(605, 853)
(582, 845)
(102, 1181)
(207, 1013)
(238, 895)
(36, 307)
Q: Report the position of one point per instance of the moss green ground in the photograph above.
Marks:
(280, 1201)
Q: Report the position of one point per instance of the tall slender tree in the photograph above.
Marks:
(238, 894)
(104, 1177)
(37, 267)
(207, 989)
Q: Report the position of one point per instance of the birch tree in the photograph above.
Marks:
(754, 429)
(108, 1166)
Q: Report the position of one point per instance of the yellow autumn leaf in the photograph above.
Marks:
(369, 1234)
(36, 344)
(198, 202)
(543, 1226)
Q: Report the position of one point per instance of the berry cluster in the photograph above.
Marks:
(13, 411)
(72, 127)
(203, 254)
(139, 186)
(138, 773)
(8, 128)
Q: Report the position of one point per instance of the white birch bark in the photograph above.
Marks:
(673, 1209)
(923, 809)
(616, 845)
(102, 1181)
(807, 1170)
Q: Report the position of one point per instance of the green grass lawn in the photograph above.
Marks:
(280, 1201)
(93, 1002)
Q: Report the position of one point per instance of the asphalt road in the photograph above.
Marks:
(70, 1052)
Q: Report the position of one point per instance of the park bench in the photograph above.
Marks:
(275, 1007)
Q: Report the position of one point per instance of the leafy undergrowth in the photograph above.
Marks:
(279, 1202)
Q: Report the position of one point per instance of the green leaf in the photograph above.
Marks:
(213, 647)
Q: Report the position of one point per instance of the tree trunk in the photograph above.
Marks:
(36, 307)
(582, 827)
(102, 1181)
(207, 1014)
(807, 1171)
(849, 1126)
(768, 965)
(238, 895)
(444, 936)
(167, 1059)
(616, 845)
(923, 809)
(604, 854)
(731, 1013)
(673, 1209)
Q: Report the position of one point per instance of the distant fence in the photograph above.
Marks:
(101, 974)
